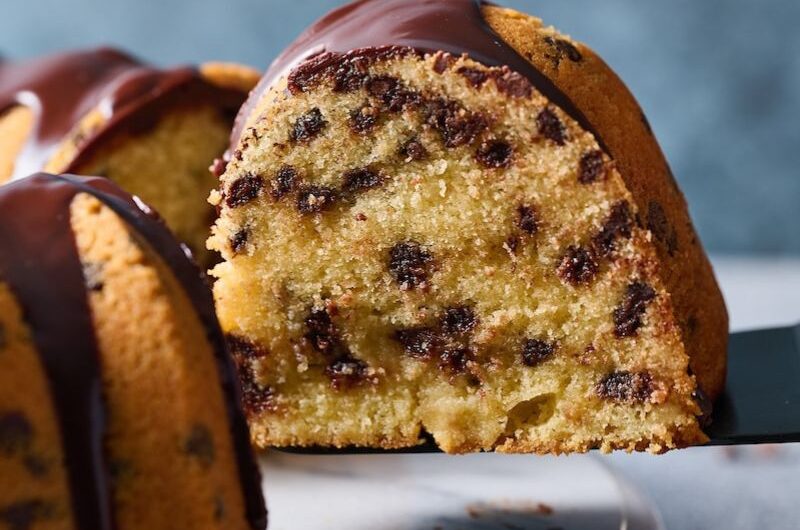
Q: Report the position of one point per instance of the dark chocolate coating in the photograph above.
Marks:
(39, 261)
(62, 88)
(426, 26)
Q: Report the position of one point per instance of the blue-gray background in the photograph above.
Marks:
(719, 79)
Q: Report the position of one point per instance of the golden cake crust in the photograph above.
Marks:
(155, 361)
(29, 437)
(608, 104)
(169, 451)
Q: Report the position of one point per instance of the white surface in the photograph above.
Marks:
(695, 489)
(439, 492)
(760, 293)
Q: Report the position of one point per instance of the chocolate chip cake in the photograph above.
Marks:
(119, 405)
(103, 112)
(443, 220)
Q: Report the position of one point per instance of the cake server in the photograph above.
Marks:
(761, 402)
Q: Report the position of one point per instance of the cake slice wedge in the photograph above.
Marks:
(119, 406)
(103, 112)
(456, 222)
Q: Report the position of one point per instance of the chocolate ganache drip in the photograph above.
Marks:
(426, 26)
(39, 261)
(61, 89)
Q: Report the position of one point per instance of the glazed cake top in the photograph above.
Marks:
(391, 26)
(62, 88)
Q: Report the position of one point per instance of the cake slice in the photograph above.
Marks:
(119, 405)
(102, 112)
(456, 222)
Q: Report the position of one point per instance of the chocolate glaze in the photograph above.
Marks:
(453, 26)
(61, 89)
(40, 262)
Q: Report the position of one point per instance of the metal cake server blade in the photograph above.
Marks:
(761, 402)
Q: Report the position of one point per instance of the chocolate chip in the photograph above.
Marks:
(455, 360)
(535, 352)
(36, 465)
(561, 48)
(346, 372)
(460, 319)
(284, 182)
(512, 243)
(551, 127)
(513, 84)
(16, 433)
(239, 240)
(391, 93)
(409, 264)
(660, 226)
(592, 167)
(456, 125)
(475, 76)
(308, 126)
(321, 333)
(379, 86)
(570, 51)
(443, 62)
(657, 220)
(314, 199)
(617, 225)
(413, 150)
(93, 276)
(526, 219)
(364, 119)
(627, 387)
(120, 470)
(361, 179)
(243, 190)
(419, 343)
(495, 154)
(350, 76)
(628, 315)
(578, 266)
(243, 348)
(199, 444)
(23, 515)
(219, 508)
(256, 398)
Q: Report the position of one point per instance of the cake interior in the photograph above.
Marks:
(421, 244)
(168, 167)
(164, 162)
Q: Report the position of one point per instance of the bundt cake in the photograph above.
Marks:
(441, 219)
(102, 112)
(119, 405)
